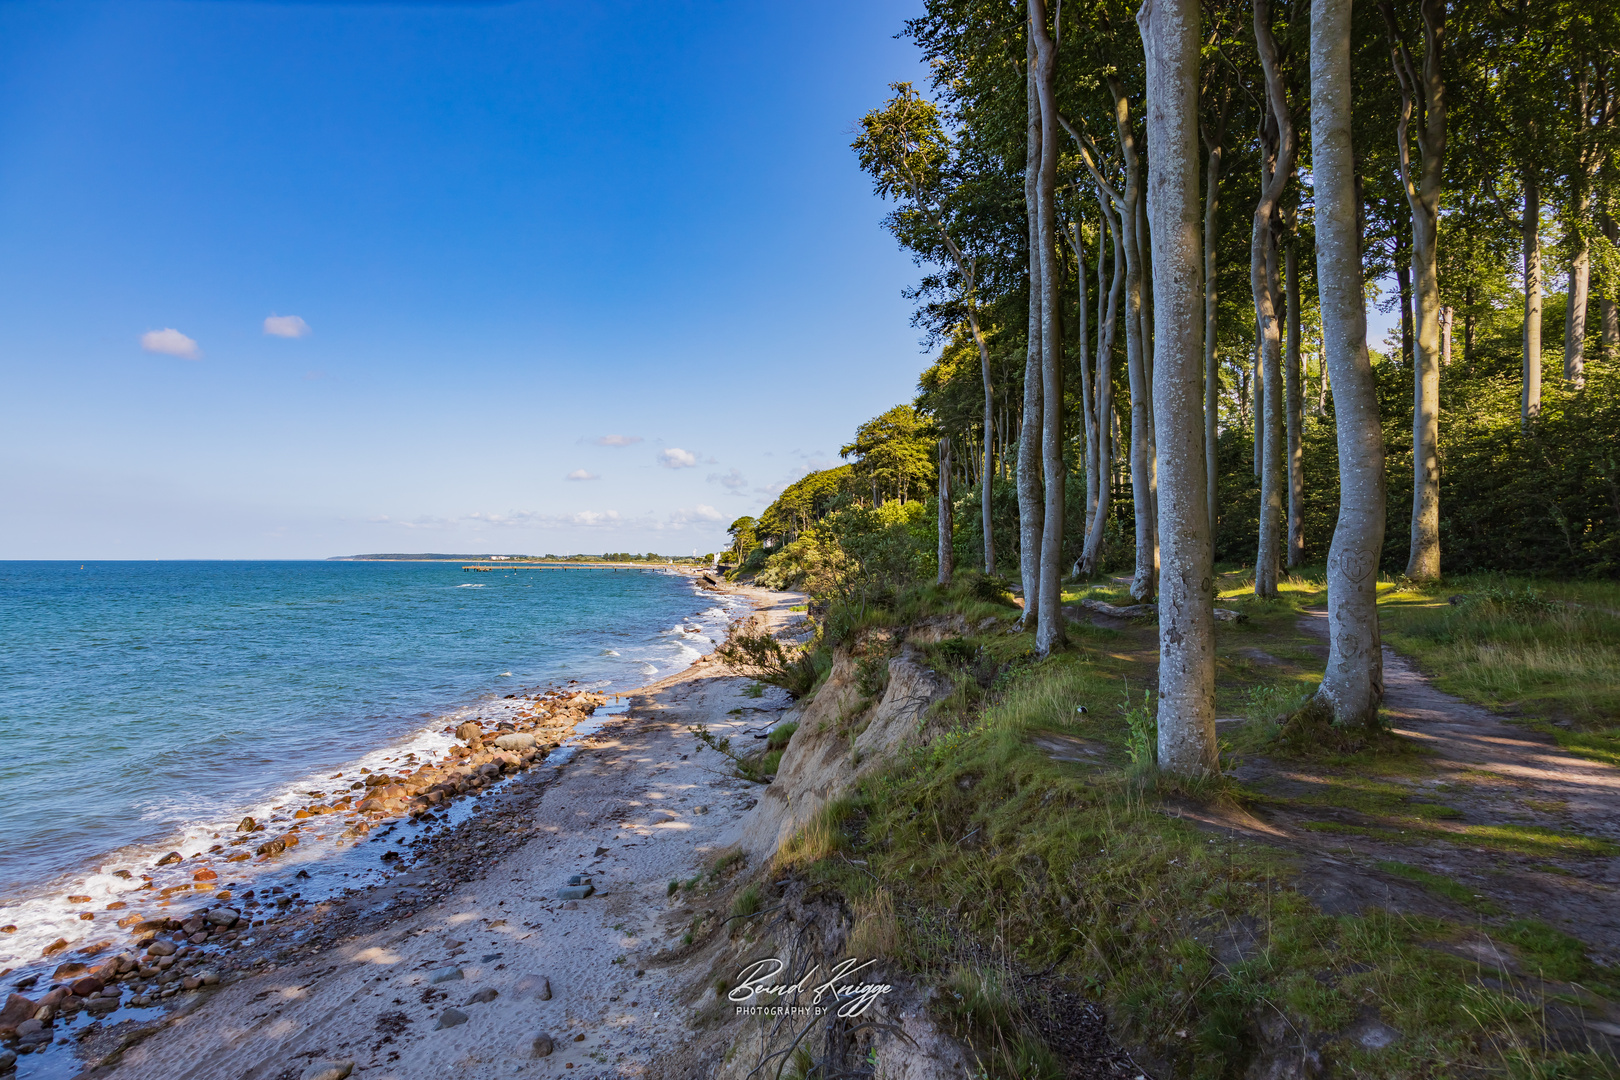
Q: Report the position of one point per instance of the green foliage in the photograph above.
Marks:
(895, 453)
(1142, 731)
(762, 657)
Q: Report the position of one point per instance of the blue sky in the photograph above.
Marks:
(492, 237)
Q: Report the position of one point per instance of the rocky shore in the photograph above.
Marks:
(168, 953)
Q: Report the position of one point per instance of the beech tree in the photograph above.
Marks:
(905, 148)
(1171, 38)
(1353, 684)
(1426, 94)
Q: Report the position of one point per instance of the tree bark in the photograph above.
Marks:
(1276, 167)
(1353, 684)
(1030, 508)
(1107, 322)
(1580, 281)
(1212, 382)
(1295, 398)
(947, 550)
(1088, 413)
(1530, 231)
(1186, 717)
(1049, 630)
(1144, 582)
(1447, 316)
(1428, 94)
(987, 472)
(1403, 285)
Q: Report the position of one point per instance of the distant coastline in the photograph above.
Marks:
(535, 560)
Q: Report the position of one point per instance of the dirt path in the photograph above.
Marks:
(464, 987)
(1501, 810)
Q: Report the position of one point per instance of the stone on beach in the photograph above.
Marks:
(328, 1070)
(448, 974)
(450, 1018)
(481, 997)
(538, 985)
(223, 917)
(519, 740)
(171, 857)
(542, 1045)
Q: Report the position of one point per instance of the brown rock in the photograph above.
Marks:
(205, 874)
(79, 899)
(70, 970)
(55, 947)
(17, 1009)
(171, 857)
(89, 986)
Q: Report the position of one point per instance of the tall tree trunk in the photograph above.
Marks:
(947, 550)
(1088, 413)
(1030, 508)
(1049, 631)
(1580, 280)
(1447, 317)
(1186, 717)
(1216, 139)
(1530, 231)
(1427, 92)
(1144, 583)
(1353, 684)
(1257, 383)
(1608, 308)
(1276, 167)
(1107, 321)
(1295, 398)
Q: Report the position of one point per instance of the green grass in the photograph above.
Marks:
(1187, 936)
(1450, 888)
(1544, 651)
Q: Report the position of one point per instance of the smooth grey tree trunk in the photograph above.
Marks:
(1144, 582)
(1186, 717)
(1049, 632)
(1212, 379)
(1294, 395)
(1530, 238)
(1108, 428)
(1579, 293)
(1353, 684)
(1276, 167)
(1030, 508)
(1089, 427)
(1428, 94)
(947, 549)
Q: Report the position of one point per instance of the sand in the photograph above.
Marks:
(638, 805)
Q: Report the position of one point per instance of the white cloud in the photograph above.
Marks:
(170, 342)
(618, 440)
(581, 474)
(676, 458)
(699, 513)
(286, 326)
(732, 481)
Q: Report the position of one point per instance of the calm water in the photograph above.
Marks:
(140, 700)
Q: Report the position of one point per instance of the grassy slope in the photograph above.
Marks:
(1024, 840)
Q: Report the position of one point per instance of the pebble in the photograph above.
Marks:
(538, 985)
(8, 1060)
(451, 1018)
(446, 975)
(542, 1045)
(487, 994)
(328, 1070)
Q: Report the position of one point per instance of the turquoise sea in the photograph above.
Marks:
(142, 703)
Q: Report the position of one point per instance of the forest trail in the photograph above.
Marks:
(1497, 809)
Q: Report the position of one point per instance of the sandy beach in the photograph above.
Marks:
(468, 963)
